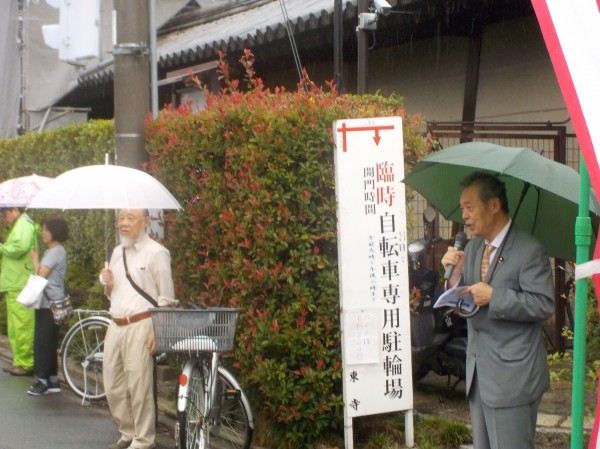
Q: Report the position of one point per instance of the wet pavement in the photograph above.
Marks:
(57, 420)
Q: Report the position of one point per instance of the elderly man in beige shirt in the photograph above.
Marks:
(129, 343)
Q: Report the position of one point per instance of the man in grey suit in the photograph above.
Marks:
(507, 372)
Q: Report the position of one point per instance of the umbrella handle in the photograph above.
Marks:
(463, 312)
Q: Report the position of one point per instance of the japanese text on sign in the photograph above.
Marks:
(373, 266)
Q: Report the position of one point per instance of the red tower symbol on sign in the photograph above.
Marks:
(344, 129)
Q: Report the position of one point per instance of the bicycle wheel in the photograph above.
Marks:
(191, 431)
(228, 427)
(82, 357)
(232, 428)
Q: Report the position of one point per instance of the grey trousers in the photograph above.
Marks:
(501, 428)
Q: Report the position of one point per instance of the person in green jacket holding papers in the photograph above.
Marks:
(14, 271)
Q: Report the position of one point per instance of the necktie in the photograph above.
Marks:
(485, 261)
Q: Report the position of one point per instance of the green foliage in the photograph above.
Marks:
(561, 365)
(255, 174)
(431, 432)
(593, 340)
(437, 431)
(381, 440)
(51, 153)
(380, 431)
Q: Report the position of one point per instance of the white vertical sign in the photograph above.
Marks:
(373, 268)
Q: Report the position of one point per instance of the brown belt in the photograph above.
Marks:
(131, 319)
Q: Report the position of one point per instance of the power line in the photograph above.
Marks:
(288, 27)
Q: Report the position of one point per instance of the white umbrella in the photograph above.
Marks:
(18, 192)
(105, 187)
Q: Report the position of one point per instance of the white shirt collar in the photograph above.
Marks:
(500, 237)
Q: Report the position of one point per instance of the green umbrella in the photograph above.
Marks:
(543, 195)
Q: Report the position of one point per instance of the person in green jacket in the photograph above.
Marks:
(15, 269)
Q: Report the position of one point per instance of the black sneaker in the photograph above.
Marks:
(53, 387)
(38, 389)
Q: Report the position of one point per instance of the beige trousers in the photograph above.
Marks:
(128, 382)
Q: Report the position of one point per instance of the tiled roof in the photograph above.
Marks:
(247, 28)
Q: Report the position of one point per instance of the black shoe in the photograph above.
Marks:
(38, 389)
(53, 387)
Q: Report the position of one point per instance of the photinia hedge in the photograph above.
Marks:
(254, 171)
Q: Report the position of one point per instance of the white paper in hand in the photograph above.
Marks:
(451, 297)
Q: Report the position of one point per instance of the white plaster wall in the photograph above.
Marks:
(517, 81)
(430, 75)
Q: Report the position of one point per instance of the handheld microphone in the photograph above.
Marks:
(459, 243)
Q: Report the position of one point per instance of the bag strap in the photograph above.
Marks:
(136, 287)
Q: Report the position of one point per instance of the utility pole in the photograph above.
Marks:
(131, 82)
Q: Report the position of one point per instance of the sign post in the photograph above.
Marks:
(373, 270)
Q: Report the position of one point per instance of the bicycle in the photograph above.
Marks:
(82, 354)
(212, 409)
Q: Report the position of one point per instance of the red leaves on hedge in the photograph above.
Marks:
(228, 215)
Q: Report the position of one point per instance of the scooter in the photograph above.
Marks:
(438, 336)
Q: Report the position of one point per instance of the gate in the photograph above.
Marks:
(551, 140)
